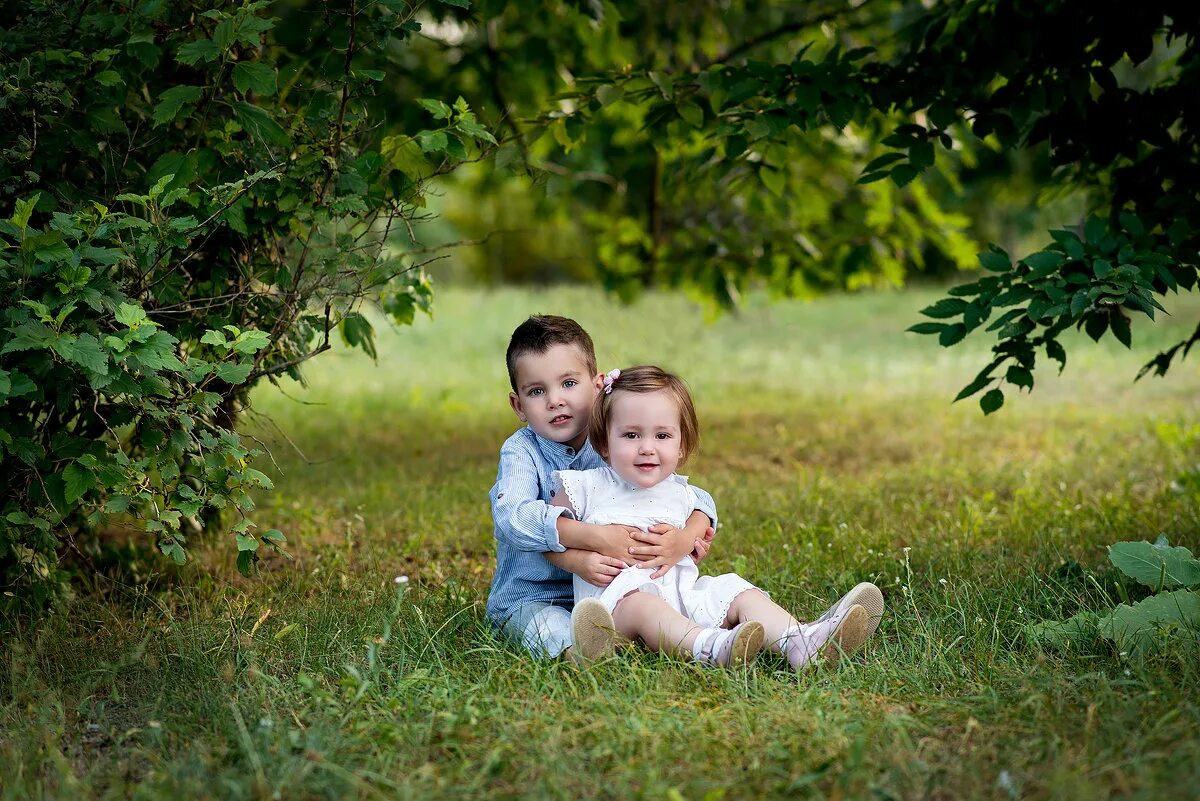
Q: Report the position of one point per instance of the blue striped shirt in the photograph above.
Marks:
(526, 526)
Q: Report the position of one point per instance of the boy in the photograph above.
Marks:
(552, 371)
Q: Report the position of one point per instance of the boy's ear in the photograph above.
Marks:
(515, 403)
(598, 381)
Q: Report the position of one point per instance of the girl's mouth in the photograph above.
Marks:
(646, 467)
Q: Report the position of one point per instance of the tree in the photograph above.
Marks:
(195, 207)
(670, 120)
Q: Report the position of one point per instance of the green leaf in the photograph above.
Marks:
(258, 477)
(1150, 625)
(1019, 376)
(1076, 632)
(246, 542)
(172, 100)
(214, 337)
(691, 113)
(474, 130)
(274, 535)
(945, 308)
(609, 94)
(903, 174)
(109, 78)
(251, 341)
(254, 76)
(1120, 328)
(664, 83)
(432, 141)
(981, 381)
(1043, 263)
(927, 328)
(1102, 268)
(193, 53)
(952, 335)
(86, 352)
(991, 401)
(130, 316)
(259, 124)
(357, 332)
(437, 108)
(773, 179)
(232, 372)
(245, 561)
(77, 480)
(23, 210)
(1055, 350)
(882, 161)
(1156, 566)
(995, 260)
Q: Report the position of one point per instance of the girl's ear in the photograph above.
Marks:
(515, 403)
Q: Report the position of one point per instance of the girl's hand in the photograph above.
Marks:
(598, 569)
(661, 547)
(702, 545)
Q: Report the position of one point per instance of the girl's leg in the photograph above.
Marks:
(799, 643)
(645, 616)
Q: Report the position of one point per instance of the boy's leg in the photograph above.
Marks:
(542, 628)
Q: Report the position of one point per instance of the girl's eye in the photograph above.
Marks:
(663, 435)
(629, 435)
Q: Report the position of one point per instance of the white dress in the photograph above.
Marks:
(602, 497)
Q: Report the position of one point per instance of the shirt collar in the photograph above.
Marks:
(559, 453)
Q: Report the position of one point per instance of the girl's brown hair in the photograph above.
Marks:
(642, 380)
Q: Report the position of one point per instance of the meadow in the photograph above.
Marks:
(835, 455)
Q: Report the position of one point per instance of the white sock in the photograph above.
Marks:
(800, 643)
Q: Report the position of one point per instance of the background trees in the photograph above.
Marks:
(199, 197)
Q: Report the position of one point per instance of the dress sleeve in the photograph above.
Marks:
(699, 499)
(575, 484)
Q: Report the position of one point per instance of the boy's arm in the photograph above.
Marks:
(523, 520)
(613, 541)
(594, 568)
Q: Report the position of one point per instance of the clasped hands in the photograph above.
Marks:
(660, 547)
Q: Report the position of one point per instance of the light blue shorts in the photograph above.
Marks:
(543, 628)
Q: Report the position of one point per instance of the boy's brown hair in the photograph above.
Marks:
(645, 379)
(539, 333)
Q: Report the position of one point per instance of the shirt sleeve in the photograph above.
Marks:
(523, 520)
(705, 503)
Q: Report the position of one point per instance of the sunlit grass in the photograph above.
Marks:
(834, 454)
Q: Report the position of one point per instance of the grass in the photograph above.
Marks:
(834, 455)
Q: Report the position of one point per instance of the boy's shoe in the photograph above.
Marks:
(866, 595)
(593, 633)
(735, 647)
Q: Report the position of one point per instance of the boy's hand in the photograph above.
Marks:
(662, 546)
(598, 569)
(617, 541)
(703, 544)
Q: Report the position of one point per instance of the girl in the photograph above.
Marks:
(644, 425)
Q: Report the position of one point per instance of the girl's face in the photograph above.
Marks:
(644, 444)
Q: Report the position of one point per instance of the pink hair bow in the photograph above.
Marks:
(609, 379)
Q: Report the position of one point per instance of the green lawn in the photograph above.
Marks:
(834, 454)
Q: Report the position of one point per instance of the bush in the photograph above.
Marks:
(194, 208)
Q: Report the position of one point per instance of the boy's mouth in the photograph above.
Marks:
(560, 419)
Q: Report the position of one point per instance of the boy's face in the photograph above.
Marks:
(645, 443)
(555, 393)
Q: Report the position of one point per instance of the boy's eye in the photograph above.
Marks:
(533, 393)
(570, 382)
